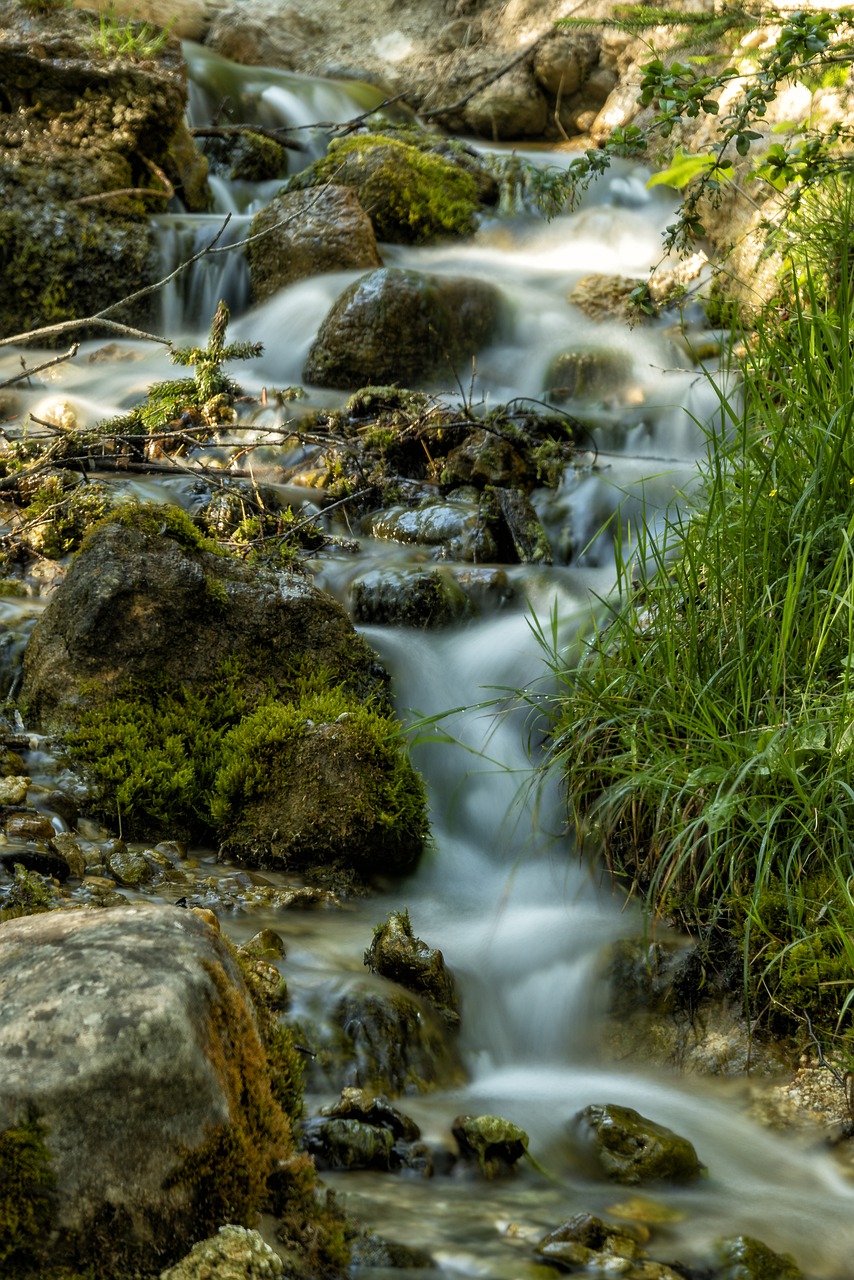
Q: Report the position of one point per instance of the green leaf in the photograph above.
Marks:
(687, 167)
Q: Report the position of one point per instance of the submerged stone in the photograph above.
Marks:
(408, 597)
(744, 1258)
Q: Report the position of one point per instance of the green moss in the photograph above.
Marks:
(162, 520)
(29, 894)
(259, 757)
(61, 511)
(26, 1199)
(412, 196)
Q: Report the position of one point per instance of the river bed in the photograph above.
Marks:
(523, 926)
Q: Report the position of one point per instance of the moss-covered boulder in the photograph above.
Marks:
(631, 1149)
(151, 1120)
(319, 781)
(83, 134)
(148, 599)
(405, 326)
(309, 232)
(412, 194)
(206, 698)
(491, 1142)
(745, 1258)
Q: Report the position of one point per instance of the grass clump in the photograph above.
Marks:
(119, 37)
(707, 735)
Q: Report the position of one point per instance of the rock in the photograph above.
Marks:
(512, 107)
(525, 533)
(484, 458)
(348, 1144)
(408, 597)
(265, 945)
(412, 194)
(135, 604)
(38, 860)
(151, 997)
(396, 954)
(743, 1258)
(294, 790)
(631, 1149)
(370, 1250)
(456, 526)
(586, 1243)
(558, 66)
(389, 1042)
(13, 790)
(591, 373)
(358, 1104)
(403, 325)
(29, 826)
(309, 232)
(265, 36)
(494, 1143)
(234, 1253)
(74, 125)
(129, 868)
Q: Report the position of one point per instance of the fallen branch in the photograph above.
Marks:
(47, 364)
(231, 130)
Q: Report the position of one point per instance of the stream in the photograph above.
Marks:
(523, 926)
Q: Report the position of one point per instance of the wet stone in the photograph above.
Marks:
(395, 953)
(29, 826)
(744, 1258)
(129, 868)
(406, 597)
(492, 1142)
(38, 860)
(631, 1149)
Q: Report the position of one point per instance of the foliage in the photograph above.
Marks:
(207, 397)
(708, 733)
(45, 7)
(811, 47)
(123, 38)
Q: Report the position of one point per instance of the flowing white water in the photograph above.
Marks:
(522, 925)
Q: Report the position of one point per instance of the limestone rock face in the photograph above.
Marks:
(135, 605)
(324, 230)
(128, 1037)
(631, 1149)
(400, 325)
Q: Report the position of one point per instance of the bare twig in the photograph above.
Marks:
(122, 191)
(47, 364)
(231, 130)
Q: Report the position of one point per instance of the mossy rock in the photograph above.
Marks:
(631, 1149)
(423, 598)
(153, 997)
(322, 780)
(745, 1258)
(411, 195)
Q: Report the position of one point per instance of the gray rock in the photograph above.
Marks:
(512, 107)
(401, 325)
(345, 1143)
(586, 1243)
(128, 1036)
(309, 232)
(456, 526)
(631, 1149)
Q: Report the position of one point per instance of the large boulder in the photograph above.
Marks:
(136, 1112)
(82, 134)
(141, 600)
(309, 232)
(413, 194)
(404, 326)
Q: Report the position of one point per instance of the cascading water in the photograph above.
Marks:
(522, 925)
